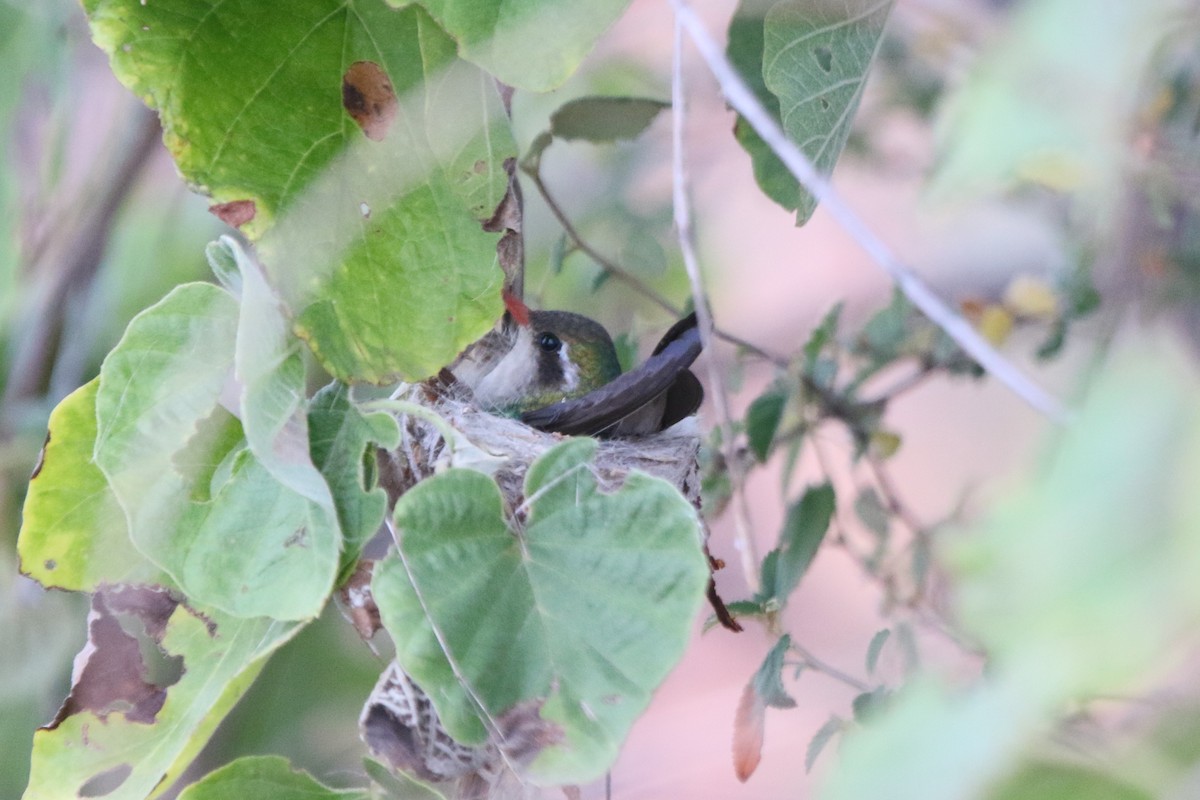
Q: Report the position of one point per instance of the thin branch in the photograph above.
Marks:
(825, 668)
(609, 266)
(743, 532)
(891, 497)
(633, 281)
(914, 288)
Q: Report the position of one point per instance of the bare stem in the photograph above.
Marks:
(825, 668)
(743, 532)
(914, 288)
(633, 281)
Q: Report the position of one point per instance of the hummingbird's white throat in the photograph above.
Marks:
(515, 375)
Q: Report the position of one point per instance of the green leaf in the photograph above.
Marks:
(1079, 584)
(269, 367)
(605, 119)
(867, 704)
(1101, 540)
(585, 604)
(885, 334)
(200, 505)
(803, 531)
(875, 648)
(264, 778)
(762, 421)
(73, 531)
(533, 45)
(824, 735)
(814, 59)
(374, 244)
(399, 785)
(768, 680)
(221, 656)
(1073, 134)
(1049, 781)
(745, 51)
(342, 442)
(822, 335)
(871, 512)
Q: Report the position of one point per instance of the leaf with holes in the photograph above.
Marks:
(353, 143)
(583, 604)
(814, 61)
(100, 745)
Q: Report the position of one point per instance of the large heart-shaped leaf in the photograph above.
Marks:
(584, 604)
(199, 503)
(353, 133)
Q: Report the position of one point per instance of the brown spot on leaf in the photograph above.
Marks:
(235, 213)
(368, 96)
(50, 564)
(126, 624)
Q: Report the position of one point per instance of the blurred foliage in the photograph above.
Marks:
(1078, 584)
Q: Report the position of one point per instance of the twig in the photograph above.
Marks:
(743, 532)
(609, 266)
(914, 288)
(911, 381)
(633, 281)
(891, 497)
(825, 668)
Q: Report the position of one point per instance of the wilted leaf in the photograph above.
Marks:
(748, 725)
(219, 657)
(587, 602)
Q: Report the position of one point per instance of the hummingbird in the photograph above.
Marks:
(558, 371)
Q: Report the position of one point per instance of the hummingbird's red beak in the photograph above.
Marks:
(518, 309)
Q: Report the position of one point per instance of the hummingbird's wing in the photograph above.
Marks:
(664, 375)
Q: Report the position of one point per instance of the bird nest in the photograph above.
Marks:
(443, 428)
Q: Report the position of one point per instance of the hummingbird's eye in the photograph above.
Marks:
(549, 342)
